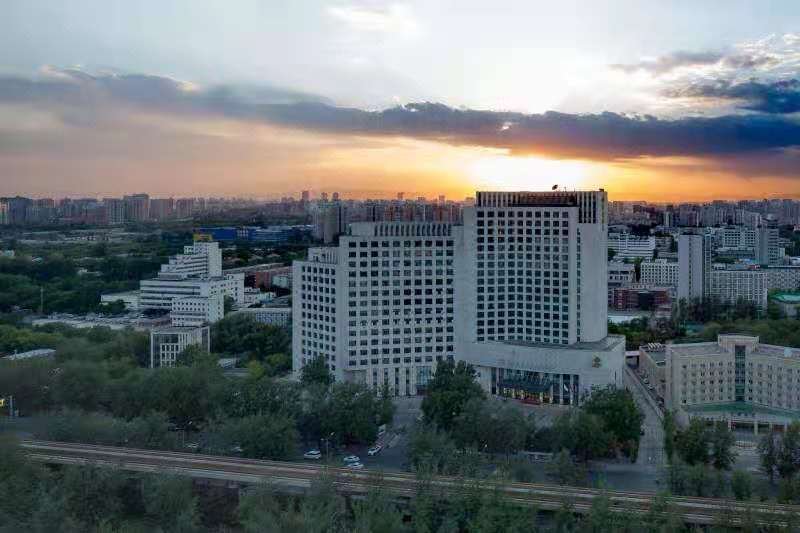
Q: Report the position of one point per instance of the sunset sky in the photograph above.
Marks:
(663, 100)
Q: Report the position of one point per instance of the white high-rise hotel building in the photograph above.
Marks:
(519, 291)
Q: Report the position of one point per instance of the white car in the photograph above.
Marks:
(374, 450)
(351, 459)
(313, 454)
(355, 466)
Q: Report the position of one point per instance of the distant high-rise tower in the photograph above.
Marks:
(401, 196)
(305, 196)
(115, 210)
(336, 197)
(137, 207)
(694, 262)
(324, 197)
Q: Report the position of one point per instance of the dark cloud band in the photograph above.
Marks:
(603, 136)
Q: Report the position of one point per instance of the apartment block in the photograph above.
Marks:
(728, 286)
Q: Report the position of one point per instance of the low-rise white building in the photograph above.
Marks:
(620, 274)
(272, 316)
(629, 246)
(169, 342)
(31, 354)
(194, 311)
(129, 298)
(659, 272)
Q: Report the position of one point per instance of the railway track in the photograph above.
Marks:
(300, 475)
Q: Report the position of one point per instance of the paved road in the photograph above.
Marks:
(651, 447)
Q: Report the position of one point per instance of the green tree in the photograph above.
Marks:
(351, 412)
(768, 455)
(620, 416)
(169, 503)
(788, 453)
(80, 384)
(278, 364)
(741, 485)
(228, 304)
(564, 470)
(670, 429)
(722, 454)
(495, 514)
(93, 494)
(452, 386)
(255, 370)
(316, 372)
(377, 512)
(323, 510)
(263, 436)
(262, 510)
(698, 479)
(692, 443)
(583, 434)
(430, 449)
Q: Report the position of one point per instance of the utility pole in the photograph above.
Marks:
(41, 300)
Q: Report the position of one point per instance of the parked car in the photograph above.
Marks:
(236, 449)
(351, 459)
(374, 450)
(355, 466)
(312, 454)
(192, 446)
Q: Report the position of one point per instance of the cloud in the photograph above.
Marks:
(772, 54)
(394, 18)
(670, 62)
(602, 136)
(777, 97)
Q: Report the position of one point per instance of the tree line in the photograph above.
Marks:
(460, 422)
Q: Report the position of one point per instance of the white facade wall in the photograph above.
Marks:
(201, 259)
(628, 246)
(195, 311)
(159, 292)
(705, 373)
(784, 278)
(271, 316)
(660, 272)
(233, 285)
(390, 320)
(542, 314)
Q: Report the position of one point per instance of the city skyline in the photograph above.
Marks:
(684, 105)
